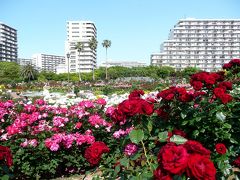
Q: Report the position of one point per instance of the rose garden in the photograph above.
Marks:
(180, 132)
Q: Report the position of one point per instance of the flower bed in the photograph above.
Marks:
(178, 133)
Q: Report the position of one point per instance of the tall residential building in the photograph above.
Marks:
(8, 43)
(203, 43)
(80, 31)
(46, 62)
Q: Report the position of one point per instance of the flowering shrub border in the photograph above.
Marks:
(178, 132)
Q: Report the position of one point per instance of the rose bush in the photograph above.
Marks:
(179, 132)
(6, 161)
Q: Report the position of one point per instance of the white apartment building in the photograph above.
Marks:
(25, 61)
(128, 64)
(80, 31)
(46, 62)
(8, 43)
(203, 43)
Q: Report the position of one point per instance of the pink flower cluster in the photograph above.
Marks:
(121, 133)
(59, 121)
(31, 143)
(97, 121)
(67, 140)
(130, 149)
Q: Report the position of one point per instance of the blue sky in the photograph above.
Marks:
(135, 27)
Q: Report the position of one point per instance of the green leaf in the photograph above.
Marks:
(184, 123)
(143, 162)
(124, 161)
(183, 115)
(176, 177)
(5, 177)
(136, 136)
(198, 119)
(117, 170)
(233, 141)
(135, 156)
(163, 136)
(195, 133)
(149, 126)
(178, 139)
(220, 116)
(147, 175)
(227, 126)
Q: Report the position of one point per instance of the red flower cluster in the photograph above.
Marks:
(136, 94)
(222, 95)
(132, 106)
(178, 93)
(221, 148)
(94, 152)
(211, 80)
(6, 155)
(201, 79)
(232, 63)
(190, 158)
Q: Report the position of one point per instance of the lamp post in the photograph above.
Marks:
(68, 56)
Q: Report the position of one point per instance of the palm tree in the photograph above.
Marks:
(28, 72)
(93, 46)
(79, 46)
(106, 43)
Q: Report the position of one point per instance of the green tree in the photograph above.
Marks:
(118, 72)
(9, 72)
(106, 44)
(79, 47)
(93, 46)
(188, 71)
(48, 75)
(165, 71)
(28, 73)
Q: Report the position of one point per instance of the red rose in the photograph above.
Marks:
(235, 62)
(169, 97)
(198, 94)
(218, 92)
(210, 80)
(6, 155)
(173, 158)
(94, 152)
(167, 94)
(227, 66)
(147, 108)
(200, 167)
(196, 147)
(221, 148)
(118, 116)
(161, 174)
(226, 85)
(130, 107)
(236, 162)
(136, 94)
(225, 98)
(186, 97)
(197, 85)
